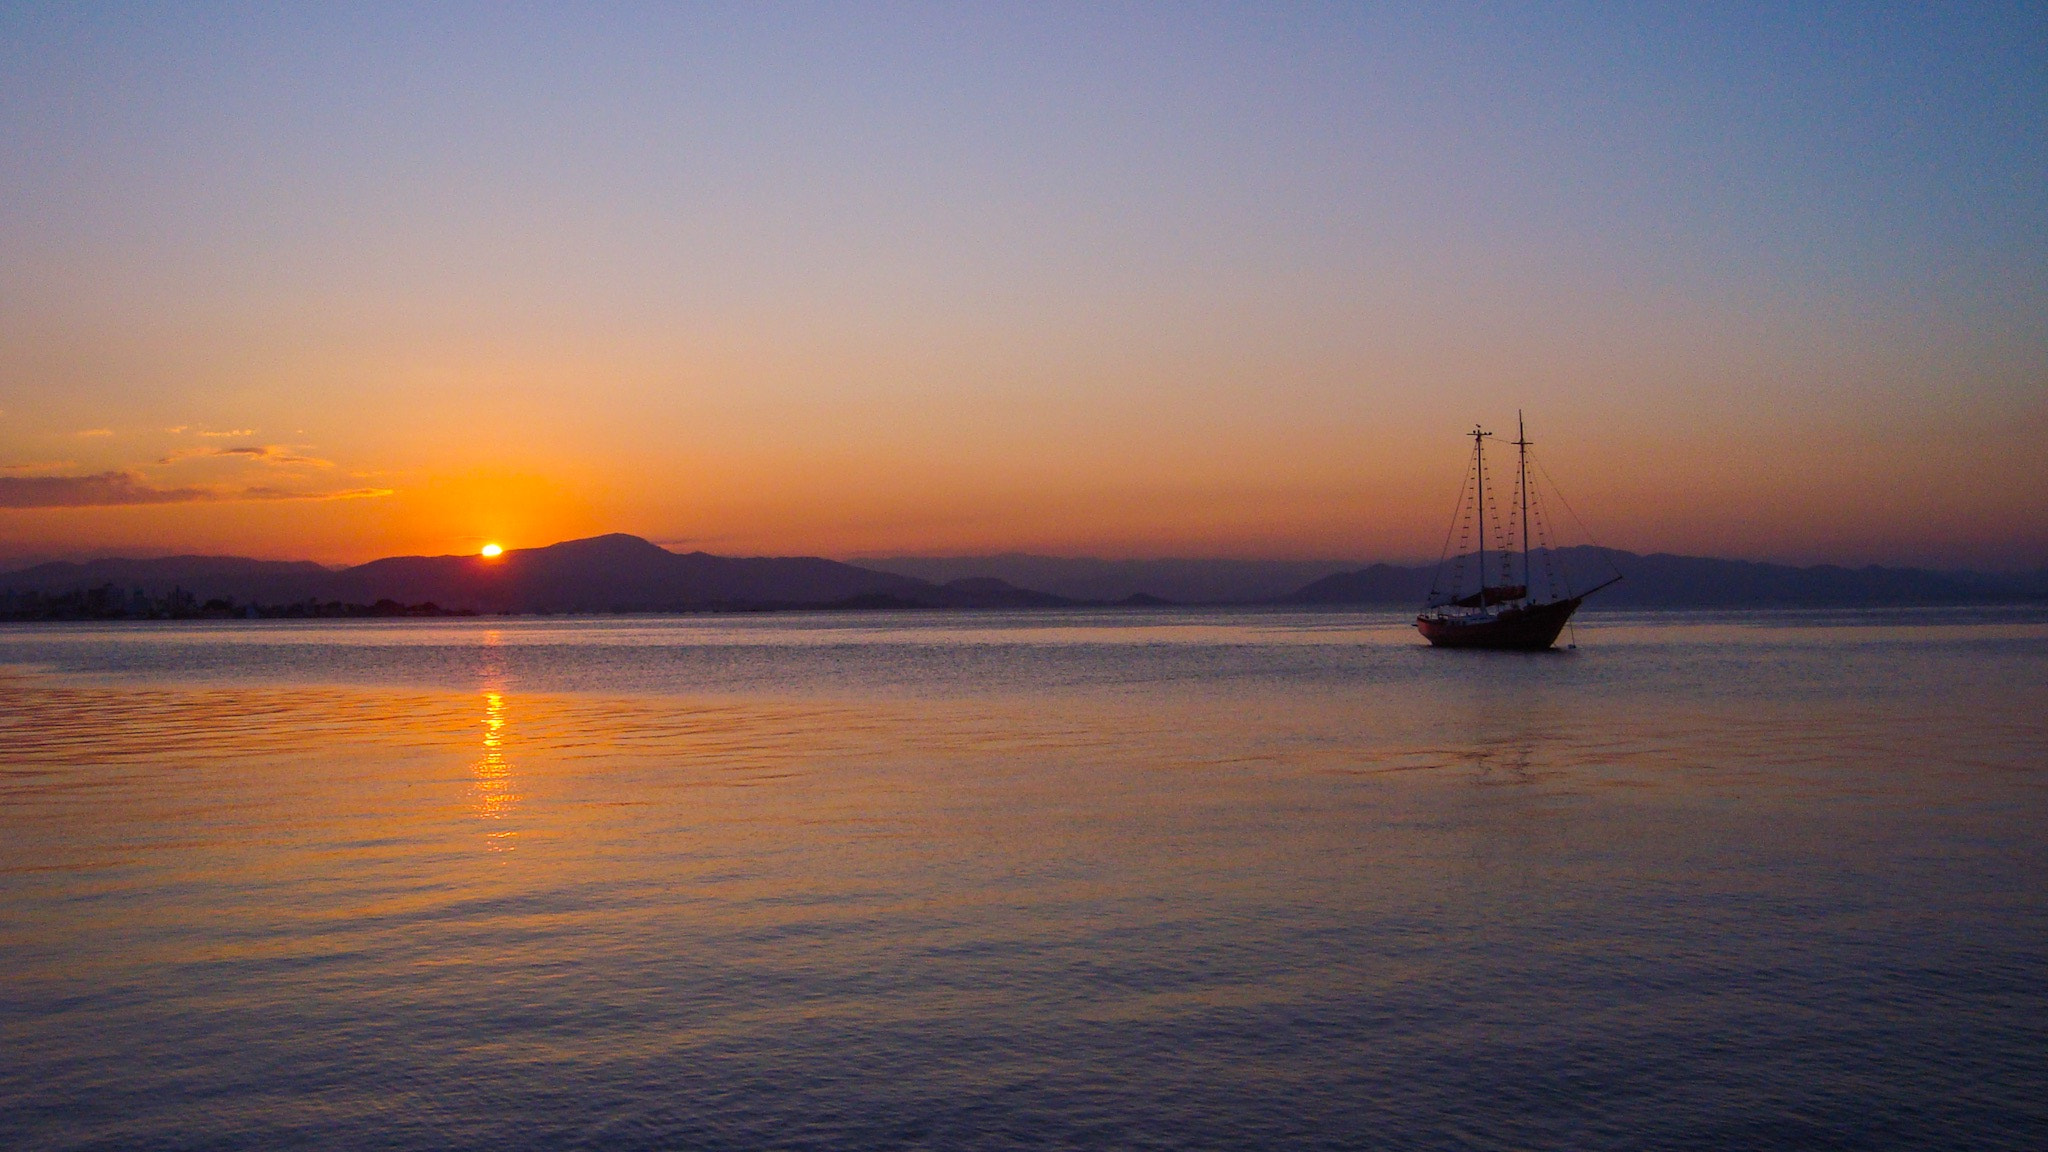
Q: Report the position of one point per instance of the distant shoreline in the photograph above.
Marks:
(428, 612)
(615, 574)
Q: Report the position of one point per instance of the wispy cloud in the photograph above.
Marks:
(99, 489)
(95, 432)
(231, 433)
(276, 454)
(266, 453)
(109, 489)
(261, 493)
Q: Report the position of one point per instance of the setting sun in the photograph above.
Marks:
(493, 550)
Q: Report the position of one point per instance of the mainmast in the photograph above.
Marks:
(1479, 436)
(1522, 446)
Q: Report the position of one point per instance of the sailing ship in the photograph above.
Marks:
(1500, 612)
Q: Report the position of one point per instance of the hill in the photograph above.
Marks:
(621, 573)
(205, 577)
(1184, 581)
(1663, 580)
(615, 573)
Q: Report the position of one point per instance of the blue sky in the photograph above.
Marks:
(1125, 279)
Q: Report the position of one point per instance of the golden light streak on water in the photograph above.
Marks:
(1178, 879)
(496, 790)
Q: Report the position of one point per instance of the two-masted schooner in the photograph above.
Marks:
(1502, 614)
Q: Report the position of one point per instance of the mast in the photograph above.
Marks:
(1479, 436)
(1522, 446)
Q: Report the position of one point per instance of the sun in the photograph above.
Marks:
(493, 550)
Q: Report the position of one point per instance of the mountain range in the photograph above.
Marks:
(621, 573)
(615, 573)
(1659, 580)
(1185, 581)
(1663, 580)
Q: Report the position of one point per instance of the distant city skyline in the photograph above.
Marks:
(338, 283)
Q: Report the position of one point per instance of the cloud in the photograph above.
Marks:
(273, 454)
(99, 489)
(96, 432)
(108, 489)
(283, 494)
(268, 453)
(231, 432)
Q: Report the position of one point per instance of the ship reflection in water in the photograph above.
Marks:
(1139, 879)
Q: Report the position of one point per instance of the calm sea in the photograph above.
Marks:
(1042, 880)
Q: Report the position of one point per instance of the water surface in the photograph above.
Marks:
(1096, 879)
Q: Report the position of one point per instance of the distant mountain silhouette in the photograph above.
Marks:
(1662, 580)
(975, 592)
(1088, 578)
(205, 577)
(990, 592)
(620, 573)
(1379, 584)
(615, 573)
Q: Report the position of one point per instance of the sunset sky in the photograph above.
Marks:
(337, 282)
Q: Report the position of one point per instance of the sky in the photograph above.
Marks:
(334, 282)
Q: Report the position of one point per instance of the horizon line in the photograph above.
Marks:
(27, 560)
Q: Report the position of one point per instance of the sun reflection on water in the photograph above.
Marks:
(495, 795)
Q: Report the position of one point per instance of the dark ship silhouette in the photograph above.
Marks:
(1506, 614)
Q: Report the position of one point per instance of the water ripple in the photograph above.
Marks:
(1189, 881)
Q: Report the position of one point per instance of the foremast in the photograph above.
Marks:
(1522, 447)
(1528, 623)
(1479, 436)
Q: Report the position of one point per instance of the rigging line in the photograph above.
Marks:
(1543, 537)
(1550, 551)
(1506, 572)
(1597, 546)
(1456, 509)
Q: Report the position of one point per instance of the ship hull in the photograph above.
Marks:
(1530, 628)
